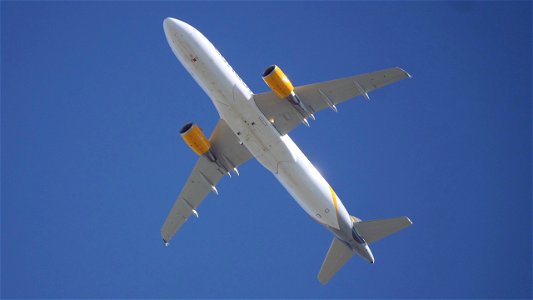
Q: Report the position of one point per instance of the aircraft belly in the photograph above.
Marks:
(281, 156)
(254, 131)
(309, 188)
(311, 194)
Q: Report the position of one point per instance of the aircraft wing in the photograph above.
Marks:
(318, 96)
(205, 175)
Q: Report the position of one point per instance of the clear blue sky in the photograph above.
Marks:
(93, 98)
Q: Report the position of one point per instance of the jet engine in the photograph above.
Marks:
(278, 82)
(195, 138)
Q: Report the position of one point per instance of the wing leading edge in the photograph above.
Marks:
(327, 94)
(204, 177)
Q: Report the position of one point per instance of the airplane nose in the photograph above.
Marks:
(182, 38)
(169, 25)
(173, 26)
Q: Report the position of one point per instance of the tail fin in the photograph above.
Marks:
(338, 254)
(375, 230)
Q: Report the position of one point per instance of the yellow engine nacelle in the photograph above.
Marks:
(278, 81)
(194, 138)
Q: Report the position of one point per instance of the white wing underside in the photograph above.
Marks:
(318, 96)
(205, 175)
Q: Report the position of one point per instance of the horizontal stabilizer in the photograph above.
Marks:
(338, 254)
(375, 230)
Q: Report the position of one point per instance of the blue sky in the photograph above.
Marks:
(93, 98)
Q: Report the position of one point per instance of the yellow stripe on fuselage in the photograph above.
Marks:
(334, 198)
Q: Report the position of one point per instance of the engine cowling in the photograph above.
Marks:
(195, 138)
(278, 82)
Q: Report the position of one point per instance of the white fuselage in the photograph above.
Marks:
(235, 104)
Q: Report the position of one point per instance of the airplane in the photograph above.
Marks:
(257, 125)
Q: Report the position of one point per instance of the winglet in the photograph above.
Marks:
(406, 73)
